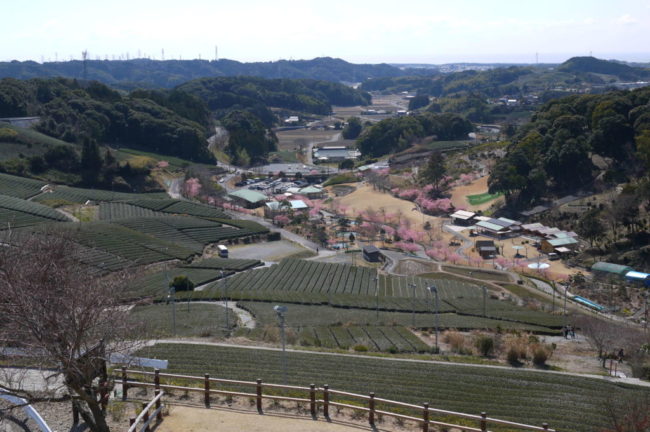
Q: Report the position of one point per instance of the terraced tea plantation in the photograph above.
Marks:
(19, 187)
(174, 206)
(16, 213)
(203, 320)
(200, 272)
(567, 403)
(363, 291)
(69, 194)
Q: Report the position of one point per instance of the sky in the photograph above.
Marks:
(359, 31)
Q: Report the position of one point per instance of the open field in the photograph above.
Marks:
(460, 195)
(567, 403)
(482, 198)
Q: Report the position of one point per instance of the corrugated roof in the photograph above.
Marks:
(298, 204)
(248, 195)
(462, 214)
(490, 226)
(562, 241)
(310, 190)
(637, 275)
(611, 268)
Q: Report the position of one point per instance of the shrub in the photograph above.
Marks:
(485, 345)
(360, 348)
(513, 355)
(455, 340)
(182, 283)
(540, 355)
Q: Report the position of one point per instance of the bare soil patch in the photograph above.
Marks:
(459, 195)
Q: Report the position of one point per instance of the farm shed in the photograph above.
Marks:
(248, 198)
(492, 229)
(372, 254)
(635, 276)
(462, 217)
(311, 192)
(551, 245)
(603, 267)
(486, 249)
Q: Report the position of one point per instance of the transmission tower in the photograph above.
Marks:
(84, 56)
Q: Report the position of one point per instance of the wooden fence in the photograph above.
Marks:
(145, 416)
(364, 403)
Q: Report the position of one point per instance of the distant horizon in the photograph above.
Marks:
(363, 31)
(484, 60)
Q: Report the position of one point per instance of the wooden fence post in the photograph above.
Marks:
(146, 416)
(312, 399)
(158, 405)
(371, 406)
(545, 426)
(326, 401)
(484, 421)
(425, 417)
(156, 378)
(259, 395)
(206, 395)
(75, 413)
(125, 386)
(131, 421)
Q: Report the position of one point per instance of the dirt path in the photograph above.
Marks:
(191, 419)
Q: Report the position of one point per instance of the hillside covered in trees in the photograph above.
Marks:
(555, 153)
(74, 112)
(145, 73)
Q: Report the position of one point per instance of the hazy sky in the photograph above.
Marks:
(399, 31)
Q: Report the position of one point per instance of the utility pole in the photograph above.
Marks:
(280, 311)
(377, 295)
(225, 296)
(484, 301)
(434, 292)
(412, 285)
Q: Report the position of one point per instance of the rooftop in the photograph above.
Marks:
(611, 268)
(462, 214)
(248, 195)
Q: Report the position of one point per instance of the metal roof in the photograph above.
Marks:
(248, 195)
(562, 241)
(611, 268)
(462, 214)
(490, 226)
(637, 275)
(310, 190)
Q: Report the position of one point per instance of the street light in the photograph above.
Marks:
(280, 311)
(225, 294)
(377, 295)
(412, 285)
(434, 292)
(171, 296)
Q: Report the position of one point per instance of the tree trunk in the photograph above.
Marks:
(92, 414)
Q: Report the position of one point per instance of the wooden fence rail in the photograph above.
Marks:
(367, 404)
(145, 417)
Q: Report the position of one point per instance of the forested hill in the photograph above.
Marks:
(304, 95)
(597, 66)
(172, 123)
(144, 73)
(555, 153)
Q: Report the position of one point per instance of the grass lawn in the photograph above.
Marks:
(482, 198)
(567, 403)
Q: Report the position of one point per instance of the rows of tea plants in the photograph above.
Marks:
(19, 187)
(567, 403)
(181, 319)
(133, 246)
(174, 206)
(16, 212)
(81, 196)
(504, 310)
(120, 210)
(225, 264)
(157, 284)
(298, 316)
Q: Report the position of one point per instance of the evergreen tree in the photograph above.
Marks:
(91, 162)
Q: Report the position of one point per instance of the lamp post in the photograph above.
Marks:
(565, 296)
(171, 296)
(225, 295)
(377, 295)
(280, 311)
(434, 292)
(412, 285)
